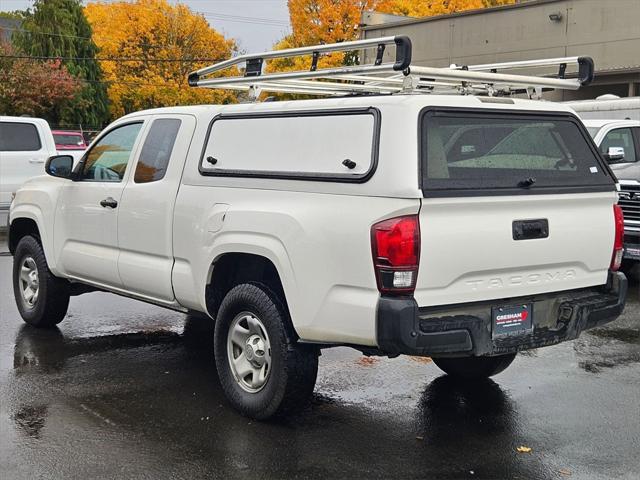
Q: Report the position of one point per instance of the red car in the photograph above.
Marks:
(69, 140)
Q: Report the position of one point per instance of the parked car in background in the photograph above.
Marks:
(70, 143)
(619, 143)
(25, 145)
(607, 107)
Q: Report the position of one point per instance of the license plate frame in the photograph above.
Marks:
(507, 320)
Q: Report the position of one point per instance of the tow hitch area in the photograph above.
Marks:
(486, 329)
(512, 320)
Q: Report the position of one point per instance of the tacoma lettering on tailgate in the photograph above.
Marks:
(529, 279)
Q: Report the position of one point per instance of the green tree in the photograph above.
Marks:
(58, 28)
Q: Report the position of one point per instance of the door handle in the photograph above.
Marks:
(530, 229)
(36, 160)
(109, 202)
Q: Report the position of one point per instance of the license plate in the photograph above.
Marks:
(513, 319)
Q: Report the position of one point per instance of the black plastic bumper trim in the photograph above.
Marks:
(404, 328)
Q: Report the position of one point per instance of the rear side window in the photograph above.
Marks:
(472, 150)
(68, 140)
(156, 151)
(337, 145)
(19, 137)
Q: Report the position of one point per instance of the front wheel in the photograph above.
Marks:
(263, 370)
(42, 298)
(473, 368)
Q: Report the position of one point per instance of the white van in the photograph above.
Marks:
(25, 145)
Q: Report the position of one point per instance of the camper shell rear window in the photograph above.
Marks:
(476, 151)
(324, 145)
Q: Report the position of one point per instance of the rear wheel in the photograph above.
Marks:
(42, 298)
(474, 367)
(263, 370)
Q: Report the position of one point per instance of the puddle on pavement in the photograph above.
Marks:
(627, 335)
(31, 419)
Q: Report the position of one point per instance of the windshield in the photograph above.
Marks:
(68, 140)
(593, 131)
(471, 150)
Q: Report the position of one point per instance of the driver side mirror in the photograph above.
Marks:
(59, 166)
(614, 154)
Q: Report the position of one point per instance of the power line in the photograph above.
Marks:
(208, 15)
(247, 22)
(114, 59)
(212, 15)
(244, 19)
(65, 35)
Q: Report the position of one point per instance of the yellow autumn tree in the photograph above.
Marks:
(330, 21)
(148, 47)
(429, 8)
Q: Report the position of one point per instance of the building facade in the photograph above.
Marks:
(606, 30)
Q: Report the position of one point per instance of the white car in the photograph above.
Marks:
(25, 145)
(619, 143)
(354, 221)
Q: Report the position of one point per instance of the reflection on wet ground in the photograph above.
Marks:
(128, 390)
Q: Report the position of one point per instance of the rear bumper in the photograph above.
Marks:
(466, 330)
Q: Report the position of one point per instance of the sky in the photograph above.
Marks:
(255, 24)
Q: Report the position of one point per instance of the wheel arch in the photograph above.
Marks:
(20, 227)
(236, 267)
(28, 218)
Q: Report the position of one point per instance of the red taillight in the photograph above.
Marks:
(618, 243)
(395, 244)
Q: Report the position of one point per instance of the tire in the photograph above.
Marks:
(286, 383)
(473, 368)
(50, 295)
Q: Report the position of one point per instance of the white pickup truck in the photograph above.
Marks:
(465, 228)
(25, 145)
(619, 143)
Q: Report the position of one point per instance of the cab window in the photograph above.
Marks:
(108, 158)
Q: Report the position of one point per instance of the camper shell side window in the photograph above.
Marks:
(326, 145)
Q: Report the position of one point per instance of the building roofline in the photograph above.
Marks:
(477, 11)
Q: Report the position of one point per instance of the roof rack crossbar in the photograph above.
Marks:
(585, 66)
(325, 72)
(402, 43)
(496, 78)
(388, 77)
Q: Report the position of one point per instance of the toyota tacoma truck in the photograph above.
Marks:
(462, 227)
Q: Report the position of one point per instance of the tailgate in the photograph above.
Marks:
(468, 250)
(516, 203)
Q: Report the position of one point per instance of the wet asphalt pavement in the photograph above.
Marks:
(127, 390)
